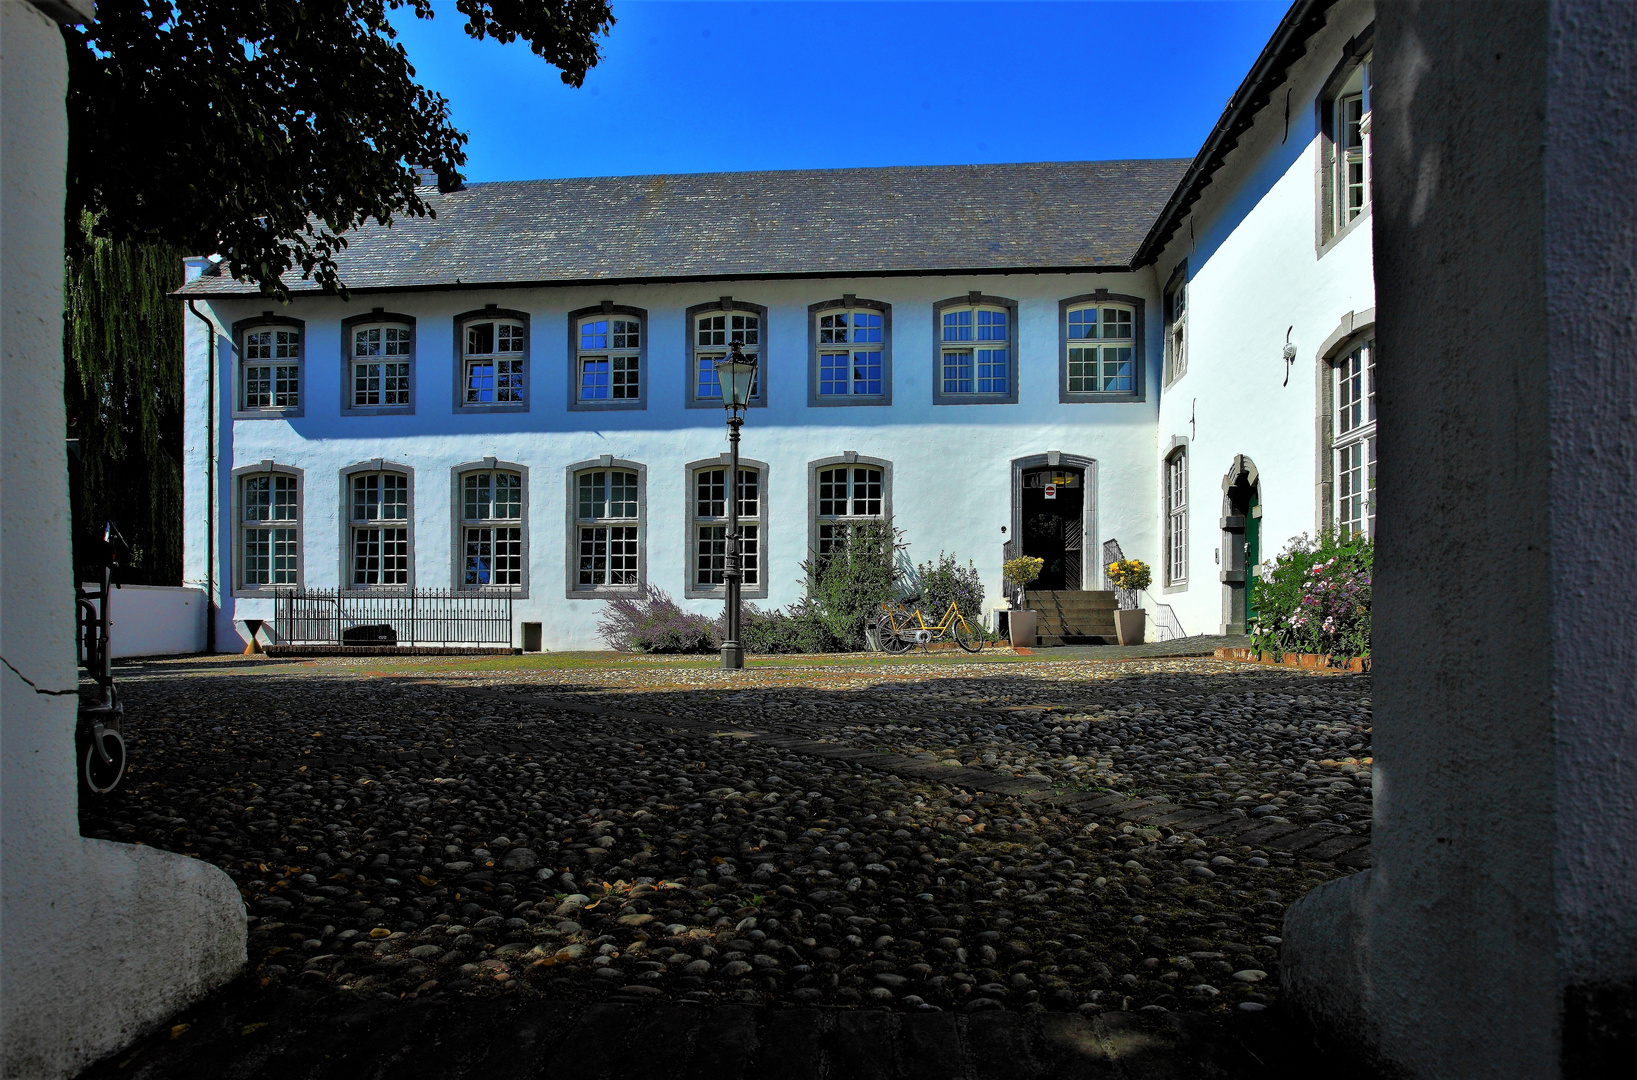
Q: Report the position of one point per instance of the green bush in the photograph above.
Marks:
(1317, 597)
(847, 585)
(947, 581)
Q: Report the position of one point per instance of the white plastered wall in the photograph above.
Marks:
(951, 487)
(98, 940)
(1255, 274)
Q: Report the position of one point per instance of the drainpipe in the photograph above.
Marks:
(210, 482)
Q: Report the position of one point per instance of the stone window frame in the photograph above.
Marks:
(1352, 330)
(571, 547)
(851, 301)
(457, 546)
(849, 458)
(645, 373)
(345, 519)
(1176, 326)
(1178, 451)
(1139, 352)
(974, 299)
(492, 313)
(1356, 52)
(241, 329)
(726, 305)
(382, 317)
(237, 477)
(691, 589)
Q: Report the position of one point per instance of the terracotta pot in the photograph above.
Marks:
(1021, 625)
(1131, 626)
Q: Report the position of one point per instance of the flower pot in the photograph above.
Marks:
(1021, 625)
(1131, 625)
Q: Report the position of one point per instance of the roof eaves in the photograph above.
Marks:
(1284, 48)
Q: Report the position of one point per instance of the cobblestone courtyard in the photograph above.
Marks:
(1110, 845)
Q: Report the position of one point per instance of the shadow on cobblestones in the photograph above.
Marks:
(942, 841)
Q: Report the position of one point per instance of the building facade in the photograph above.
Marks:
(517, 396)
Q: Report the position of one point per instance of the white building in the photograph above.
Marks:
(517, 396)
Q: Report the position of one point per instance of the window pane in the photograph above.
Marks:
(592, 494)
(622, 495)
(713, 330)
(622, 555)
(258, 387)
(594, 379)
(709, 385)
(957, 372)
(477, 496)
(1116, 323)
(832, 499)
(992, 325)
(867, 373)
(480, 382)
(747, 329)
(749, 553)
(284, 498)
(365, 497)
(511, 338)
(480, 339)
(958, 325)
(867, 492)
(712, 493)
(834, 374)
(1082, 324)
(626, 334)
(508, 489)
(258, 498)
(711, 557)
(833, 328)
(992, 371)
(396, 341)
(259, 345)
(1119, 373)
(750, 490)
(866, 327)
(366, 384)
(625, 377)
(594, 334)
(1082, 371)
(367, 342)
(395, 384)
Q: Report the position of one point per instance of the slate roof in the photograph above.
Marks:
(1048, 216)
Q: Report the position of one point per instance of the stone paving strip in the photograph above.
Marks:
(242, 1034)
(1024, 838)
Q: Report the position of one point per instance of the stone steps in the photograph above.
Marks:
(1073, 616)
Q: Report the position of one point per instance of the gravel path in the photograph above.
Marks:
(624, 832)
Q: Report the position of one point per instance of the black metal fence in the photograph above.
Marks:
(417, 617)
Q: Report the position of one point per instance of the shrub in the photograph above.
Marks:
(780, 631)
(1316, 599)
(947, 581)
(848, 584)
(653, 623)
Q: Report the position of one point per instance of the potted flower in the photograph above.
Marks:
(1021, 622)
(1130, 577)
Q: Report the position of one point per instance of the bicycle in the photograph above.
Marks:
(902, 626)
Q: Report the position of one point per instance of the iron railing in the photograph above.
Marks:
(406, 617)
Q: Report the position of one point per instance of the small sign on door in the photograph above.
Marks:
(1051, 491)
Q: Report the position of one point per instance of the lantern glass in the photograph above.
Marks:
(737, 373)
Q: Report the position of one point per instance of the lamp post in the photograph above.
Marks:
(737, 373)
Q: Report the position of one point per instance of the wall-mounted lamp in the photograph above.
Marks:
(1290, 356)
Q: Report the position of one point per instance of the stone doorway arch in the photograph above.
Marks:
(1241, 542)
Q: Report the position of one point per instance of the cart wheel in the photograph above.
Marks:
(99, 777)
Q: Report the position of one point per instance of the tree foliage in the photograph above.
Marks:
(122, 383)
(263, 130)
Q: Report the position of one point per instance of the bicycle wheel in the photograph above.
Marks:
(891, 642)
(966, 637)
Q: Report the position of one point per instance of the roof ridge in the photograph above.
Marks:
(819, 171)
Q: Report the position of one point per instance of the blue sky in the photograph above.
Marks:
(752, 84)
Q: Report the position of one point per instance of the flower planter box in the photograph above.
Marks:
(1131, 625)
(1021, 625)
(1311, 661)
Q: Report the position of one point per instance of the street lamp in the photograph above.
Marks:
(737, 374)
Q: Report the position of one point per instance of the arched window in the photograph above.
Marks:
(1176, 517)
(270, 363)
(269, 527)
(493, 360)
(711, 329)
(607, 511)
(1354, 440)
(851, 352)
(1102, 348)
(491, 500)
(609, 349)
(976, 342)
(846, 491)
(707, 483)
(380, 354)
(378, 516)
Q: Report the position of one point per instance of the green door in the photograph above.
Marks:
(1253, 555)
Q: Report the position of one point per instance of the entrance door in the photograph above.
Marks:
(1053, 512)
(1241, 550)
(1253, 555)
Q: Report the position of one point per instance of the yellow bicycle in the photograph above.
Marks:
(902, 626)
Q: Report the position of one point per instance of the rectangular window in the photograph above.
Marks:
(380, 365)
(710, 513)
(609, 362)
(851, 359)
(493, 358)
(1176, 332)
(1355, 441)
(607, 530)
(1176, 498)
(492, 530)
(974, 354)
(272, 373)
(712, 335)
(269, 530)
(1101, 351)
(380, 551)
(846, 495)
(1347, 146)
